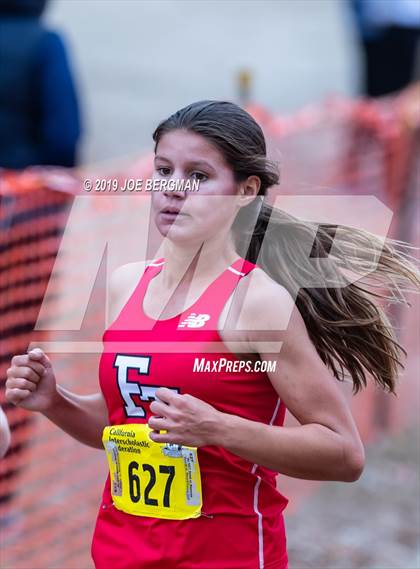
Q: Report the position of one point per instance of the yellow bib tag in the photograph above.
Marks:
(157, 480)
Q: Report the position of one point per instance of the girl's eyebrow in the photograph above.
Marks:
(193, 163)
(201, 164)
(157, 157)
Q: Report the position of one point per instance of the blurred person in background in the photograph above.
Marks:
(39, 112)
(389, 31)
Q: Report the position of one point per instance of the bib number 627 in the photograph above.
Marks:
(135, 483)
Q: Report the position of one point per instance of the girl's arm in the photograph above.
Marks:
(31, 384)
(83, 417)
(326, 446)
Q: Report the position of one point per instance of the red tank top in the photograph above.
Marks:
(242, 524)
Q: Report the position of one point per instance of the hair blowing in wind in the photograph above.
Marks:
(346, 318)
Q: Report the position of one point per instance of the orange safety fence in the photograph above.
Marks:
(51, 484)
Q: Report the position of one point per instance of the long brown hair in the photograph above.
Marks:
(349, 329)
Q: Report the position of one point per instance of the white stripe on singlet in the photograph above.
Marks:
(236, 272)
(256, 495)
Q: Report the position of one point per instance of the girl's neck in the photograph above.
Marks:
(201, 263)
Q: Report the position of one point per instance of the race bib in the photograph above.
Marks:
(158, 480)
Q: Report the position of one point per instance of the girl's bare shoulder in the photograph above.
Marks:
(264, 300)
(124, 275)
(122, 283)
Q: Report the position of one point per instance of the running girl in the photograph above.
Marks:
(210, 297)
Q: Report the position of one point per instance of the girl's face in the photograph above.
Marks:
(193, 216)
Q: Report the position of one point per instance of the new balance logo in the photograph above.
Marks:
(194, 320)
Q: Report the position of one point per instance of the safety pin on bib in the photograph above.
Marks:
(112, 448)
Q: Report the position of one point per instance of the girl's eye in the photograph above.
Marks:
(199, 176)
(163, 171)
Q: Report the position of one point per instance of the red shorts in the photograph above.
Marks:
(123, 541)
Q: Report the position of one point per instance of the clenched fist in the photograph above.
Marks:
(31, 381)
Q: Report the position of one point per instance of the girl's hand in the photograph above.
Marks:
(31, 381)
(187, 420)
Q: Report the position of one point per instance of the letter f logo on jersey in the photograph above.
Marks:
(129, 387)
(194, 320)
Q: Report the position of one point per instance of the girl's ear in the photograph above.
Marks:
(248, 190)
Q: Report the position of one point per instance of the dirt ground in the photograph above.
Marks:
(373, 523)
